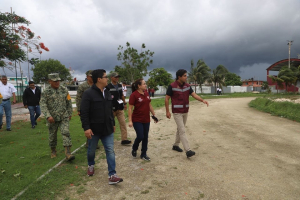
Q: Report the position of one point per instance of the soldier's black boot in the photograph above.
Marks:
(69, 156)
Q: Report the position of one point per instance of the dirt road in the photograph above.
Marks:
(241, 153)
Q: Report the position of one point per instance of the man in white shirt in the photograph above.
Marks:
(7, 90)
(124, 88)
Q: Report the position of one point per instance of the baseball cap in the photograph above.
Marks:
(114, 74)
(54, 77)
(89, 73)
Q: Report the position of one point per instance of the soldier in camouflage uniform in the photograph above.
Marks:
(81, 88)
(56, 105)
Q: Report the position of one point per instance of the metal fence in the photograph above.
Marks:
(20, 89)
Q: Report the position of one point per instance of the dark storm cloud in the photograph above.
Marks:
(245, 37)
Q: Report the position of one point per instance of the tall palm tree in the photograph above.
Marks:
(199, 74)
(202, 72)
(218, 76)
(296, 71)
(288, 76)
(277, 80)
(193, 74)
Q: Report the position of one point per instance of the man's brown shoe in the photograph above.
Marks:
(53, 152)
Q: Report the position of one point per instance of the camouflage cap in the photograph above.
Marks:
(114, 74)
(54, 77)
(89, 73)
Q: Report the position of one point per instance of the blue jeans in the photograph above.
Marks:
(7, 107)
(142, 131)
(34, 110)
(108, 143)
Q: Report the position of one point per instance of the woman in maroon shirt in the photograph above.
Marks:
(140, 117)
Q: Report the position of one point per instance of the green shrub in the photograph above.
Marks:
(284, 109)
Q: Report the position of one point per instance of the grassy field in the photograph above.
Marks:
(26, 154)
(287, 110)
(249, 94)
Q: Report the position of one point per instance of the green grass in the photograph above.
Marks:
(287, 110)
(26, 156)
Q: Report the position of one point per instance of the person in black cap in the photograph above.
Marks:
(119, 104)
(81, 88)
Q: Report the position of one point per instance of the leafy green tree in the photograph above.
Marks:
(17, 42)
(30, 43)
(218, 76)
(232, 79)
(9, 41)
(200, 73)
(265, 86)
(159, 76)
(152, 84)
(296, 71)
(45, 67)
(287, 75)
(133, 63)
(278, 81)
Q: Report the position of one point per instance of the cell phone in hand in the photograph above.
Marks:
(155, 119)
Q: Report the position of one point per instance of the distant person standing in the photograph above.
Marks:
(119, 105)
(220, 91)
(152, 92)
(7, 91)
(149, 91)
(179, 92)
(98, 123)
(124, 88)
(31, 100)
(140, 117)
(56, 105)
(81, 88)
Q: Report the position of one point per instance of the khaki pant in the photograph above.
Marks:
(121, 118)
(180, 120)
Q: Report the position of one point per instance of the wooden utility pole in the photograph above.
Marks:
(290, 44)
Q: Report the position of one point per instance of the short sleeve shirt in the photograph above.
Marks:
(141, 111)
(123, 89)
(170, 91)
(7, 90)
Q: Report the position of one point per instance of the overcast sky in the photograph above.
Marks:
(244, 36)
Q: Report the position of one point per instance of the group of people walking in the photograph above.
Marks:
(98, 103)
